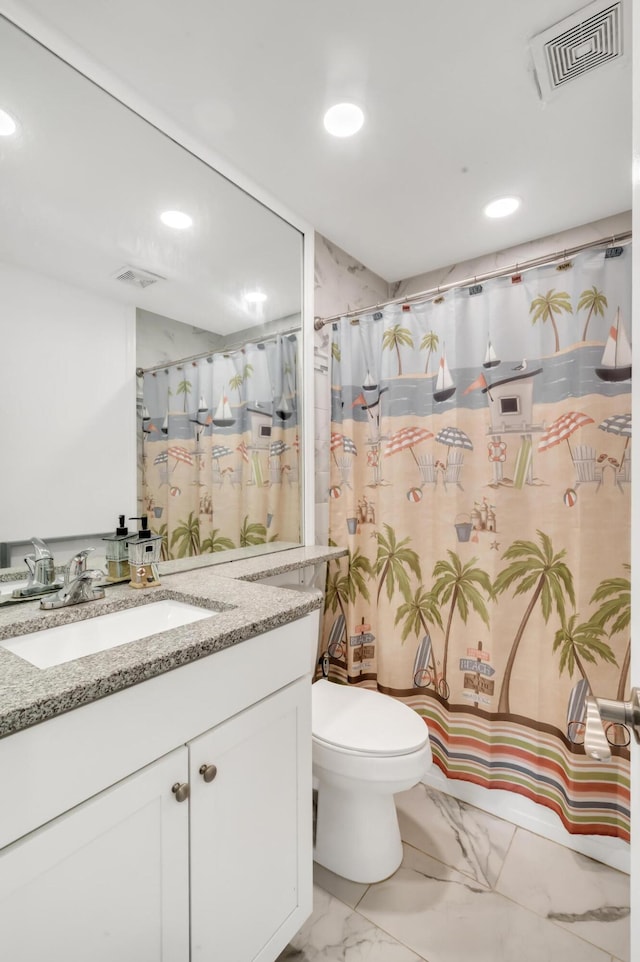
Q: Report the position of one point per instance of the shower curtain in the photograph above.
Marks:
(219, 451)
(480, 458)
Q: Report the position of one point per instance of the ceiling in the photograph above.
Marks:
(454, 115)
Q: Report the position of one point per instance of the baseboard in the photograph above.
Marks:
(535, 818)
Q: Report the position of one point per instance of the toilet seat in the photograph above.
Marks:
(361, 722)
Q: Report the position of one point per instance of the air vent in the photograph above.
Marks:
(588, 39)
(137, 277)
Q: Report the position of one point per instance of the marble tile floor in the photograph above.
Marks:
(470, 887)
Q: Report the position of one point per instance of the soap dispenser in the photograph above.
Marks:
(117, 553)
(144, 555)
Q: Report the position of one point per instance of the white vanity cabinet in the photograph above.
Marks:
(101, 858)
(106, 881)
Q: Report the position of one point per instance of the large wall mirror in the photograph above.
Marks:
(96, 287)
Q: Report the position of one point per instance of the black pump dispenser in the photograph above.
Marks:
(121, 530)
(143, 531)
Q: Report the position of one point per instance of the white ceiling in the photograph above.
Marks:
(454, 117)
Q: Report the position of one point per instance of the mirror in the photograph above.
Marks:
(87, 268)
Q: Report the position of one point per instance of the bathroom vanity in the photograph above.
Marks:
(156, 797)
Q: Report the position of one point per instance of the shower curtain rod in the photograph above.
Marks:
(568, 252)
(141, 371)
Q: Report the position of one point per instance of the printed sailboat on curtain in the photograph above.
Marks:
(223, 418)
(445, 388)
(490, 359)
(616, 359)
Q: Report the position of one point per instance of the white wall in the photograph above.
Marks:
(67, 408)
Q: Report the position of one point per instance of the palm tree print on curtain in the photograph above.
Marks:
(220, 466)
(487, 586)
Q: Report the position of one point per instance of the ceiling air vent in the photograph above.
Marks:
(589, 38)
(137, 277)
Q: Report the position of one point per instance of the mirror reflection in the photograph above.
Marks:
(119, 250)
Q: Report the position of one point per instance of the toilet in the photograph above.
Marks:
(366, 748)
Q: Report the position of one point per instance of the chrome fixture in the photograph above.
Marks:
(42, 572)
(79, 584)
(626, 713)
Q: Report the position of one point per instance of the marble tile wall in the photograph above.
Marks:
(471, 886)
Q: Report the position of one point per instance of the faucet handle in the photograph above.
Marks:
(77, 565)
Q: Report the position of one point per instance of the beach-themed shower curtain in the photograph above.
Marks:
(480, 458)
(220, 449)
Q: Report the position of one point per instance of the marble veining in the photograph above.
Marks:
(545, 903)
(29, 695)
(468, 839)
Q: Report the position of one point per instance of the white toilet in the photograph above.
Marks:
(366, 747)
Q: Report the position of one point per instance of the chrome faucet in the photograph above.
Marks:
(42, 572)
(79, 584)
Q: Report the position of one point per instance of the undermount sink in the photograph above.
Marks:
(54, 646)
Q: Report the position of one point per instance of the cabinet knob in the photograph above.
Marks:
(181, 791)
(208, 772)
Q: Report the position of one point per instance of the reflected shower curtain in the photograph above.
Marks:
(220, 449)
(480, 458)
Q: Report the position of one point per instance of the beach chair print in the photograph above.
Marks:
(421, 672)
(587, 469)
(577, 711)
(335, 645)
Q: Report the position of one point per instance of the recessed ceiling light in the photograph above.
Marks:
(343, 120)
(255, 297)
(176, 219)
(502, 207)
(8, 126)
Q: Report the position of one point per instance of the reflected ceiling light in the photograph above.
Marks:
(255, 297)
(8, 126)
(502, 207)
(176, 219)
(343, 120)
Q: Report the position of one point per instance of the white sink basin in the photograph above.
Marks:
(54, 646)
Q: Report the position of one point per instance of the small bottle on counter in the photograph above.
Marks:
(117, 553)
(144, 555)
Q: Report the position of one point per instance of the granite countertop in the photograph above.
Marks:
(29, 695)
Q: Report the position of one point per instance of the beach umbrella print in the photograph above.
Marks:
(341, 441)
(619, 424)
(162, 462)
(562, 429)
(180, 454)
(405, 439)
(220, 451)
(454, 438)
(277, 448)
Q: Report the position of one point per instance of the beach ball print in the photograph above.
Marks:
(335, 491)
(414, 494)
(175, 492)
(570, 497)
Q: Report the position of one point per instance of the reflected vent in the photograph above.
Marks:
(137, 277)
(588, 39)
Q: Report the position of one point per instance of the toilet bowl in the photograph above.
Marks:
(366, 747)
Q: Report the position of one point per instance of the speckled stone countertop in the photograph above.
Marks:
(29, 695)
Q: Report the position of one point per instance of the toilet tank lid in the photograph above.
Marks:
(359, 720)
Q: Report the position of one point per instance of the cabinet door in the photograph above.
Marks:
(107, 880)
(251, 847)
